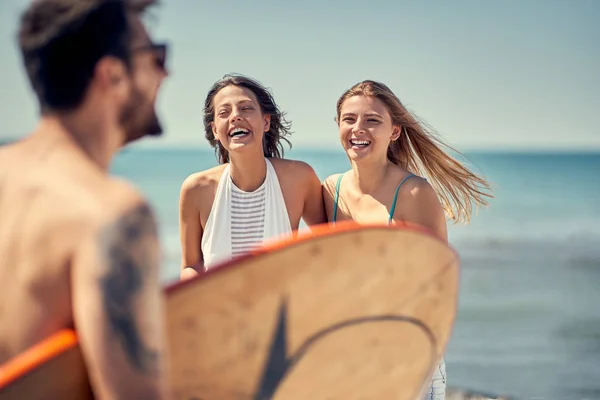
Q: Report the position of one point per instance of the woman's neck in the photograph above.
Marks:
(370, 175)
(248, 171)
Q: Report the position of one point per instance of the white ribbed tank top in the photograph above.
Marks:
(240, 221)
(247, 219)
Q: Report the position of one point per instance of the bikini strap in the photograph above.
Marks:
(337, 195)
(396, 196)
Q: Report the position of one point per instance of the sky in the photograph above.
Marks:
(504, 74)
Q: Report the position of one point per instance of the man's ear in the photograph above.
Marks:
(110, 74)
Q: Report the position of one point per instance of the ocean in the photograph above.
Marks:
(528, 324)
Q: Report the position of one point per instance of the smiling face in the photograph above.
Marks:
(138, 114)
(365, 128)
(238, 119)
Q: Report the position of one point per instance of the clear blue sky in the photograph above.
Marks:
(485, 74)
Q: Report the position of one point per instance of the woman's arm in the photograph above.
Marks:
(314, 207)
(190, 230)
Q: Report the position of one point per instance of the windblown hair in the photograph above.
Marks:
(420, 151)
(279, 127)
(61, 41)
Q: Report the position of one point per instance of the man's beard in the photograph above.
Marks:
(139, 119)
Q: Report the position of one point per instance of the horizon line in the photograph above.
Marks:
(504, 149)
(325, 149)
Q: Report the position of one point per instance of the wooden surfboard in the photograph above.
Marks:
(345, 311)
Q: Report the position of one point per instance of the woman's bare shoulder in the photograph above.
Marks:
(201, 182)
(418, 202)
(415, 190)
(299, 171)
(291, 166)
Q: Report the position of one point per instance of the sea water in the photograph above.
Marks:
(528, 323)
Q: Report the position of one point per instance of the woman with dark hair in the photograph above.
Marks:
(388, 149)
(254, 195)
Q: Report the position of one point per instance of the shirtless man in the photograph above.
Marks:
(77, 247)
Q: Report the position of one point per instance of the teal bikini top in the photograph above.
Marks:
(337, 194)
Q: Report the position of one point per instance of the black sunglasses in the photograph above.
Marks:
(160, 53)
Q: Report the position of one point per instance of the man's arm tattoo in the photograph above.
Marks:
(129, 261)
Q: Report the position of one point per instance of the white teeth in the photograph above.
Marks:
(360, 142)
(238, 130)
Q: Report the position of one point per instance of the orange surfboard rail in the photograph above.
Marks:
(36, 356)
(316, 231)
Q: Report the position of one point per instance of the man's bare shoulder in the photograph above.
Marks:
(5, 149)
(112, 201)
(120, 195)
(200, 183)
(65, 185)
(9, 153)
(125, 217)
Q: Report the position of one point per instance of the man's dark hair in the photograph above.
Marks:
(61, 41)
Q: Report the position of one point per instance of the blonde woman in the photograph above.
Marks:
(389, 151)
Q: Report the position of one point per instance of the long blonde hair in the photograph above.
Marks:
(420, 151)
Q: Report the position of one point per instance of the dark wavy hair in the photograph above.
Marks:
(279, 126)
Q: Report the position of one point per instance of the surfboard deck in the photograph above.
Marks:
(344, 311)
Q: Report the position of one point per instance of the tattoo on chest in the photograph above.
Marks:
(129, 263)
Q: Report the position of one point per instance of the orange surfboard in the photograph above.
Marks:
(344, 311)
(52, 369)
